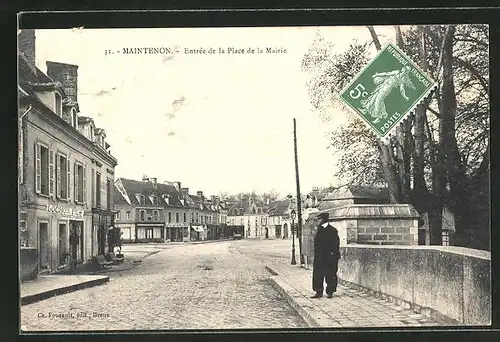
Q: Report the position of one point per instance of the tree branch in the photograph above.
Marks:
(474, 72)
(374, 37)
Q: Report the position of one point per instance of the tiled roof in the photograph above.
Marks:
(133, 187)
(279, 208)
(30, 73)
(119, 199)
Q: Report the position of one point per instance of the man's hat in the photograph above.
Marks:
(323, 216)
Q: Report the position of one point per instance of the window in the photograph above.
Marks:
(91, 131)
(44, 170)
(196, 217)
(192, 217)
(185, 217)
(156, 215)
(142, 215)
(169, 217)
(93, 188)
(154, 200)
(98, 189)
(129, 215)
(108, 194)
(80, 183)
(446, 238)
(74, 118)
(58, 104)
(141, 199)
(63, 177)
(177, 217)
(117, 217)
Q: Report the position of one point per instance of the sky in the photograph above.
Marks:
(215, 122)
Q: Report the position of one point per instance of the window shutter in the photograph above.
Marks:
(38, 169)
(85, 184)
(58, 187)
(51, 173)
(76, 180)
(68, 179)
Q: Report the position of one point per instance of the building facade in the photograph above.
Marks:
(56, 157)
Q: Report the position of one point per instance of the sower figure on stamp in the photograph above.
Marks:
(326, 257)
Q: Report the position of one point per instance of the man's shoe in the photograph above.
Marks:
(317, 295)
(330, 295)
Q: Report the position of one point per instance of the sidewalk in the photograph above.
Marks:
(349, 308)
(46, 286)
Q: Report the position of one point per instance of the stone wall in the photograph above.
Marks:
(440, 281)
(391, 231)
(374, 224)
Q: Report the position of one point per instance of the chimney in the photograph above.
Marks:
(67, 75)
(26, 44)
(178, 184)
(185, 191)
(200, 194)
(217, 200)
(153, 181)
(145, 178)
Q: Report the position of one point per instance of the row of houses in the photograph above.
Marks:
(149, 210)
(66, 169)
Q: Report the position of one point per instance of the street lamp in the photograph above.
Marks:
(292, 215)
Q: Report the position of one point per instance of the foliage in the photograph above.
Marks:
(440, 156)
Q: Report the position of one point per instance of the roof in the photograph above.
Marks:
(279, 208)
(160, 190)
(377, 211)
(358, 191)
(119, 199)
(84, 119)
(29, 72)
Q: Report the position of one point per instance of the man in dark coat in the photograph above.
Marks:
(326, 257)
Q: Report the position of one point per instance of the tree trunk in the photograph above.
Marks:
(420, 193)
(447, 109)
(390, 170)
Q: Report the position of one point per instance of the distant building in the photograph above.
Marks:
(149, 211)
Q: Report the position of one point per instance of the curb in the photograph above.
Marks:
(62, 290)
(303, 306)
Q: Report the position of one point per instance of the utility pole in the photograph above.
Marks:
(299, 209)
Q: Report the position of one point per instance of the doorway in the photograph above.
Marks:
(43, 248)
(285, 231)
(63, 239)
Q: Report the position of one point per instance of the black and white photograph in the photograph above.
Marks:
(232, 178)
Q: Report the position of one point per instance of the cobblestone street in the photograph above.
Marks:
(207, 286)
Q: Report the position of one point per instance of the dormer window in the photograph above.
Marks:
(140, 198)
(166, 199)
(58, 104)
(154, 200)
(74, 118)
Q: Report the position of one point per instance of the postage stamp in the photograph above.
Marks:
(386, 91)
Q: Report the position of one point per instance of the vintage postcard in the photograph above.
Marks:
(254, 178)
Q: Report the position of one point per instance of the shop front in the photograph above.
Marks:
(61, 237)
(198, 233)
(102, 220)
(150, 232)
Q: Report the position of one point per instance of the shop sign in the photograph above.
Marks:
(65, 213)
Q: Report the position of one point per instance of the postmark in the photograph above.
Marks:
(387, 90)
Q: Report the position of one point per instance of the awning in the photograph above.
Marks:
(199, 229)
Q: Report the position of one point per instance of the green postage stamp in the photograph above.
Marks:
(387, 90)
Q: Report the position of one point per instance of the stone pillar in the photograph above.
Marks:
(67, 75)
(26, 44)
